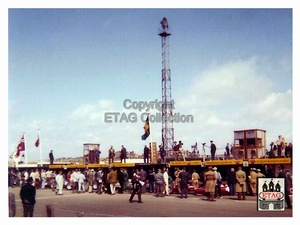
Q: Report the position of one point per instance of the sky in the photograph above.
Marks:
(70, 69)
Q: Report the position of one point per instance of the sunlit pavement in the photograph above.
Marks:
(93, 205)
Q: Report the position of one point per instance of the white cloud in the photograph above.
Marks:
(231, 97)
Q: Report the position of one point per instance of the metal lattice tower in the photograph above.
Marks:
(167, 104)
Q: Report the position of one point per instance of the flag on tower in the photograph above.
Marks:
(21, 145)
(147, 129)
(37, 142)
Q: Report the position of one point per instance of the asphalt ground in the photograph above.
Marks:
(93, 205)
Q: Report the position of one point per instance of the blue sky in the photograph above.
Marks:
(231, 69)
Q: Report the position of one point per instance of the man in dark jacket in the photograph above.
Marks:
(123, 155)
(184, 180)
(27, 195)
(51, 157)
(136, 187)
(213, 149)
(143, 177)
(121, 181)
(146, 154)
(282, 174)
(231, 181)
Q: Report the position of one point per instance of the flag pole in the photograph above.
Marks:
(40, 145)
(25, 147)
(150, 137)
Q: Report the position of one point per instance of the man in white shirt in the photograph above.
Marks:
(166, 179)
(43, 177)
(60, 182)
(74, 179)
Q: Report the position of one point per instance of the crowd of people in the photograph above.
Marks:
(139, 181)
(280, 148)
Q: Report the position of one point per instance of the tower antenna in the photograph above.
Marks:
(167, 103)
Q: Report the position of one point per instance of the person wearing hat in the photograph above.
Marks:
(253, 179)
(90, 180)
(213, 150)
(241, 186)
(209, 180)
(27, 194)
(218, 183)
(195, 180)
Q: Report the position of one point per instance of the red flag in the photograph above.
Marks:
(21, 145)
(37, 143)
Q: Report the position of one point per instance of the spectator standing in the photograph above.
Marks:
(48, 177)
(227, 150)
(195, 180)
(90, 180)
(136, 187)
(37, 179)
(91, 156)
(126, 177)
(231, 181)
(177, 178)
(74, 180)
(43, 177)
(99, 178)
(146, 154)
(111, 155)
(81, 178)
(279, 145)
(241, 186)
(143, 177)
(253, 180)
(26, 175)
(289, 179)
(213, 150)
(123, 154)
(68, 178)
(151, 179)
(121, 181)
(112, 177)
(32, 175)
(209, 180)
(271, 152)
(166, 179)
(159, 183)
(27, 194)
(184, 181)
(289, 150)
(97, 155)
(53, 181)
(287, 186)
(51, 157)
(162, 153)
(218, 183)
(60, 182)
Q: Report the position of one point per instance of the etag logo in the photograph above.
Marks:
(271, 194)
